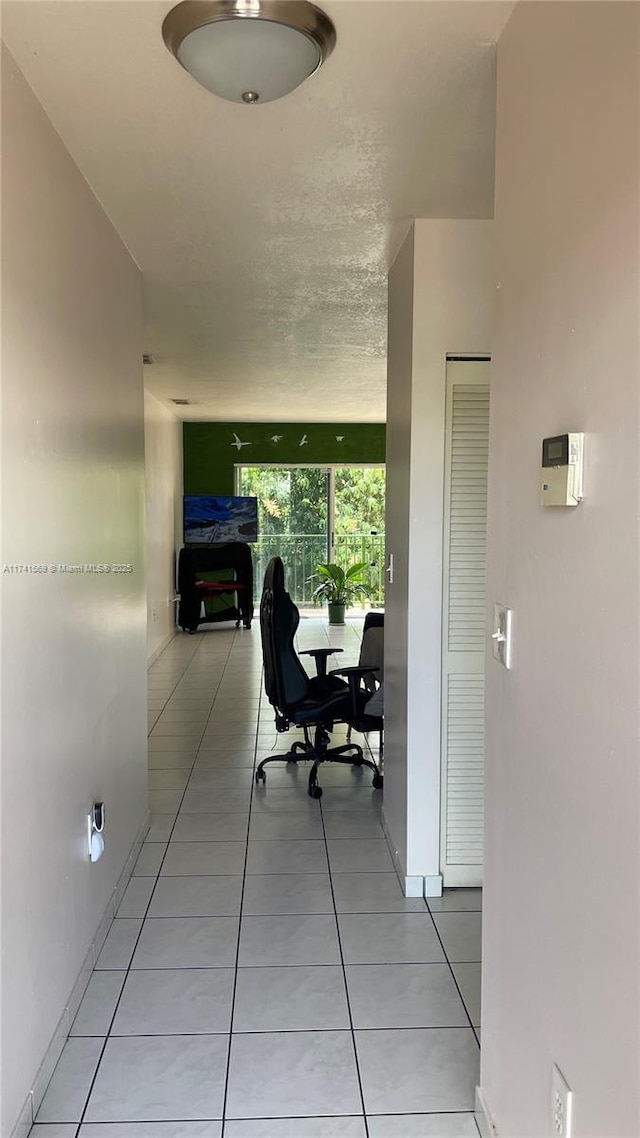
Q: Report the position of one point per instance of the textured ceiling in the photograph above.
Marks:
(264, 233)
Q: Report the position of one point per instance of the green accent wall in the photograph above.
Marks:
(210, 456)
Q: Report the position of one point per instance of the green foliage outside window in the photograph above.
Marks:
(292, 521)
(359, 500)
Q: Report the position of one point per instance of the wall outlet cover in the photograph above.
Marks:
(561, 1104)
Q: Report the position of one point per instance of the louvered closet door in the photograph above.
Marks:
(464, 577)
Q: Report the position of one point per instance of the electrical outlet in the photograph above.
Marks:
(561, 1104)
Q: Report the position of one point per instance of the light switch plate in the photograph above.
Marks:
(502, 635)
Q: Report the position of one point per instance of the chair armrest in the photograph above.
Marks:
(353, 677)
(375, 705)
(356, 670)
(320, 656)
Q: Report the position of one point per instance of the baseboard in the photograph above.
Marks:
(161, 647)
(484, 1121)
(433, 885)
(23, 1126)
(42, 1079)
(395, 856)
(412, 885)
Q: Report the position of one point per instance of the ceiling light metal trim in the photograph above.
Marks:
(299, 15)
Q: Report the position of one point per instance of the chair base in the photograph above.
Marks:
(367, 731)
(349, 754)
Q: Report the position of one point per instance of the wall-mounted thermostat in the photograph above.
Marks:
(562, 457)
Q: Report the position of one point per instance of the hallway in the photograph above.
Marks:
(264, 967)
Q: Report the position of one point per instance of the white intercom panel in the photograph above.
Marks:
(562, 461)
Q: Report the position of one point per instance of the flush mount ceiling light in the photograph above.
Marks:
(249, 51)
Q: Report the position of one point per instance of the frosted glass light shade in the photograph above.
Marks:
(249, 50)
(232, 57)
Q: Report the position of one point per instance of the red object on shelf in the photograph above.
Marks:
(235, 593)
(220, 586)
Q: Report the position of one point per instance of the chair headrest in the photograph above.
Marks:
(274, 576)
(373, 620)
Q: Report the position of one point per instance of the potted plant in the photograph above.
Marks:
(340, 587)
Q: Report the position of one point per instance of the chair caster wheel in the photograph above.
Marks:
(260, 777)
(315, 791)
(378, 782)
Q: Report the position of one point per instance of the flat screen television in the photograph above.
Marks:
(208, 520)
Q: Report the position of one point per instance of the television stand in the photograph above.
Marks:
(198, 581)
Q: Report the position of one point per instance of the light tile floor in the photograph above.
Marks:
(264, 976)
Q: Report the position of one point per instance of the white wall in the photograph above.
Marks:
(163, 481)
(73, 645)
(561, 970)
(398, 503)
(451, 303)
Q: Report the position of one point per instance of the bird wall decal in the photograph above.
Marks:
(339, 438)
(237, 443)
(303, 441)
(276, 438)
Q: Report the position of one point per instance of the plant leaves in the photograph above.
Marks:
(339, 585)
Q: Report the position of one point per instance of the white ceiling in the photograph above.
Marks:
(264, 233)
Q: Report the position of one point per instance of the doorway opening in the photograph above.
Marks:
(308, 515)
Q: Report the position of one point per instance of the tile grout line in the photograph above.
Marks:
(213, 967)
(172, 692)
(78, 1125)
(225, 1095)
(453, 975)
(344, 978)
(262, 1030)
(129, 966)
(105, 1038)
(233, 660)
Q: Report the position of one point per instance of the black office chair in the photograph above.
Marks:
(371, 657)
(313, 704)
